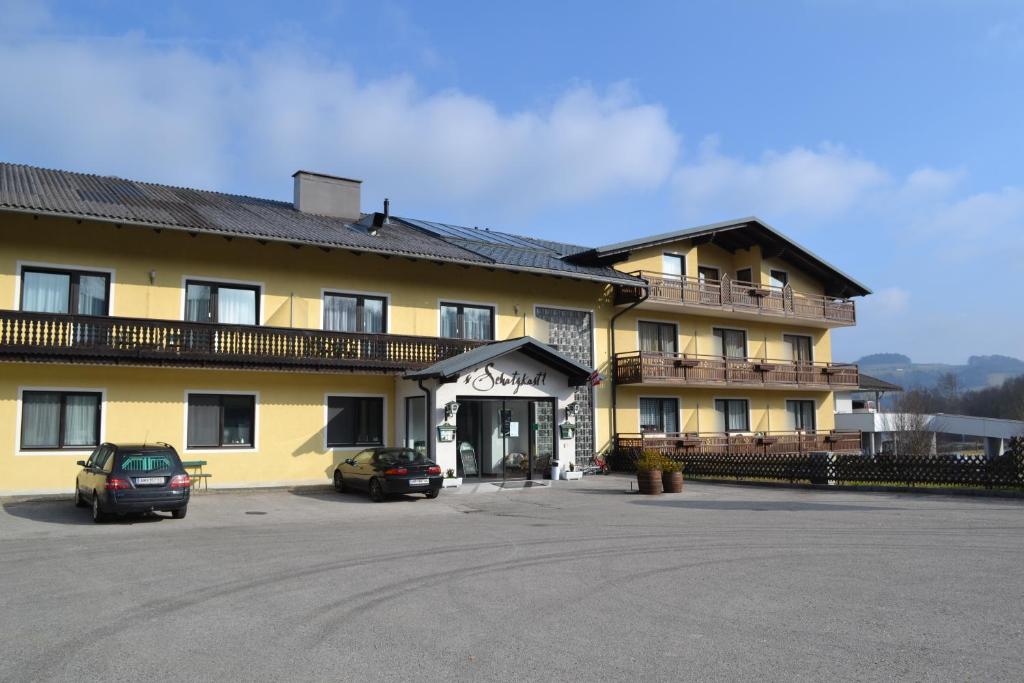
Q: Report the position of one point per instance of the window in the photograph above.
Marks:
(707, 273)
(463, 321)
(416, 423)
(731, 343)
(355, 421)
(355, 313)
(221, 421)
(211, 302)
(801, 415)
(733, 414)
(673, 265)
(659, 415)
(778, 278)
(60, 419)
(657, 337)
(745, 275)
(799, 347)
(45, 290)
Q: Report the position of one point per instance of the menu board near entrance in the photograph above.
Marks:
(468, 462)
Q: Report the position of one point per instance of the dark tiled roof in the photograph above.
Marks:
(533, 348)
(80, 195)
(869, 383)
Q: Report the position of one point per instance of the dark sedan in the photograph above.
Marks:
(127, 478)
(385, 471)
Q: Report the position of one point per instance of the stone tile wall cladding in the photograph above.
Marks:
(572, 333)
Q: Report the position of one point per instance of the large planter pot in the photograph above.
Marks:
(672, 482)
(649, 483)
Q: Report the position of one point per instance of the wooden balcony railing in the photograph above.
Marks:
(45, 336)
(735, 295)
(656, 367)
(762, 442)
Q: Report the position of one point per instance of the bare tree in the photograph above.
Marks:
(909, 424)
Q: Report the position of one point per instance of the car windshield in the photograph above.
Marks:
(401, 456)
(148, 461)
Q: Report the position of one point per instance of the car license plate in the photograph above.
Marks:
(149, 480)
(419, 482)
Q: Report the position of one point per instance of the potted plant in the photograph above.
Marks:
(571, 474)
(450, 481)
(672, 476)
(648, 473)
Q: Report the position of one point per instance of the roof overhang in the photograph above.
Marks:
(733, 235)
(450, 369)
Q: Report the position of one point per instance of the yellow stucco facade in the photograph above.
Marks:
(148, 269)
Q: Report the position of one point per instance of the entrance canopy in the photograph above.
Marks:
(450, 369)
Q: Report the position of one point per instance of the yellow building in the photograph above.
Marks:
(273, 339)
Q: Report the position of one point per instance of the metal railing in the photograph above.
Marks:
(740, 296)
(47, 336)
(659, 367)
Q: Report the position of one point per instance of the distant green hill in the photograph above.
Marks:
(980, 371)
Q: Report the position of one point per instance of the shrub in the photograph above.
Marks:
(650, 461)
(670, 465)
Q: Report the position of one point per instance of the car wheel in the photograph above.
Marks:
(79, 501)
(376, 491)
(432, 493)
(97, 514)
(339, 482)
(179, 513)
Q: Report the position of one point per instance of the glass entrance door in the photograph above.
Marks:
(505, 439)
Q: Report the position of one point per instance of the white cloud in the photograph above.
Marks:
(889, 302)
(806, 182)
(175, 115)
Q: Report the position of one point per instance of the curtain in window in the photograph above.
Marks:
(236, 306)
(670, 416)
(449, 321)
(80, 420)
(46, 292)
(340, 313)
(203, 421)
(649, 415)
(738, 415)
(40, 419)
(731, 343)
(657, 337)
(801, 414)
(799, 347)
(238, 416)
(373, 315)
(92, 295)
(477, 323)
(198, 303)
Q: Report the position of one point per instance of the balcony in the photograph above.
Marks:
(674, 369)
(740, 444)
(140, 341)
(743, 299)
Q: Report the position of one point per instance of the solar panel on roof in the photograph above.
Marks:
(477, 235)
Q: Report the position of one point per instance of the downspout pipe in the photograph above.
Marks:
(428, 411)
(611, 346)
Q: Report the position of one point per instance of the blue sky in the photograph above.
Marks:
(885, 136)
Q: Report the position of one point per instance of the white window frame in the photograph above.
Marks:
(336, 291)
(183, 307)
(21, 265)
(750, 411)
(223, 449)
(59, 451)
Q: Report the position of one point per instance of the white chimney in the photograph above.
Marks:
(327, 195)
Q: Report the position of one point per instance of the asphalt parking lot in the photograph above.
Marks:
(577, 582)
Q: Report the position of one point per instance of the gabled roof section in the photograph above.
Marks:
(732, 235)
(452, 367)
(29, 189)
